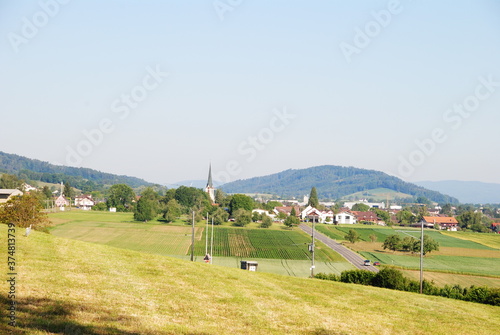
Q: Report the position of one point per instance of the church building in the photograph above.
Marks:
(210, 187)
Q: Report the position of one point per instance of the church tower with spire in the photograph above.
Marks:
(210, 187)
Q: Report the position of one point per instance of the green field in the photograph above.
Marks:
(279, 250)
(66, 286)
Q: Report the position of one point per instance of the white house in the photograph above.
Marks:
(311, 213)
(349, 204)
(84, 202)
(345, 218)
(263, 211)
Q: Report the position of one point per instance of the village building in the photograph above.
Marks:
(443, 222)
(7, 194)
(210, 187)
(84, 202)
(312, 214)
(350, 204)
(345, 217)
(286, 210)
(366, 216)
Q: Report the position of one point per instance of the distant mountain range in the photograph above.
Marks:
(331, 182)
(34, 169)
(474, 192)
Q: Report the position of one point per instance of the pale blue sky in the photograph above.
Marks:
(229, 79)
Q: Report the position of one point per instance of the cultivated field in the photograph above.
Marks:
(466, 253)
(277, 250)
(72, 287)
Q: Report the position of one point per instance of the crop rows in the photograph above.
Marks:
(256, 243)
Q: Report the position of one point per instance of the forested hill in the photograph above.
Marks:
(33, 169)
(332, 182)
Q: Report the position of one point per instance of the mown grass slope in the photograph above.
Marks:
(67, 286)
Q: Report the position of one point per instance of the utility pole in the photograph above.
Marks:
(192, 240)
(206, 238)
(312, 249)
(421, 257)
(212, 242)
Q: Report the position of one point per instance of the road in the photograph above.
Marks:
(348, 254)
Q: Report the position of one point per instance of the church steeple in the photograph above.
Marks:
(209, 183)
(210, 187)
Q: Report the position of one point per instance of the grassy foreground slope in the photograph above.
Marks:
(73, 287)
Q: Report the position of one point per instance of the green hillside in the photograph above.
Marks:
(332, 182)
(73, 287)
(33, 169)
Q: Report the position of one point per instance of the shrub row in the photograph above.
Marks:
(394, 279)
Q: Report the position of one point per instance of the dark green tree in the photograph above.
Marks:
(220, 216)
(293, 212)
(313, 198)
(242, 217)
(469, 218)
(359, 207)
(270, 205)
(69, 192)
(429, 245)
(172, 210)
(240, 201)
(256, 217)
(392, 242)
(47, 192)
(121, 197)
(10, 181)
(148, 206)
(220, 197)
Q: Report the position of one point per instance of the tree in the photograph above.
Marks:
(120, 197)
(242, 217)
(407, 243)
(293, 212)
(373, 238)
(46, 192)
(144, 210)
(270, 205)
(359, 207)
(148, 206)
(256, 216)
(406, 217)
(240, 201)
(352, 236)
(313, 198)
(172, 210)
(383, 215)
(10, 181)
(69, 192)
(291, 221)
(220, 216)
(266, 221)
(446, 209)
(23, 211)
(429, 245)
(220, 197)
(392, 242)
(469, 218)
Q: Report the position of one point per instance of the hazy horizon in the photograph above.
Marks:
(160, 89)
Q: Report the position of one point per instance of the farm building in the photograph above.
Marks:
(7, 194)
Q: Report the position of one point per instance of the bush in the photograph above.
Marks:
(327, 276)
(363, 277)
(390, 278)
(477, 294)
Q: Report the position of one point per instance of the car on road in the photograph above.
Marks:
(367, 262)
(376, 263)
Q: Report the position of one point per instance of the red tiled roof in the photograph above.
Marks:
(440, 220)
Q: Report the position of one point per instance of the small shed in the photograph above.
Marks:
(249, 265)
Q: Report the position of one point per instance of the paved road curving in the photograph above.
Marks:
(352, 257)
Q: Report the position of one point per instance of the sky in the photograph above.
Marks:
(161, 89)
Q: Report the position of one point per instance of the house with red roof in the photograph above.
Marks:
(444, 222)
